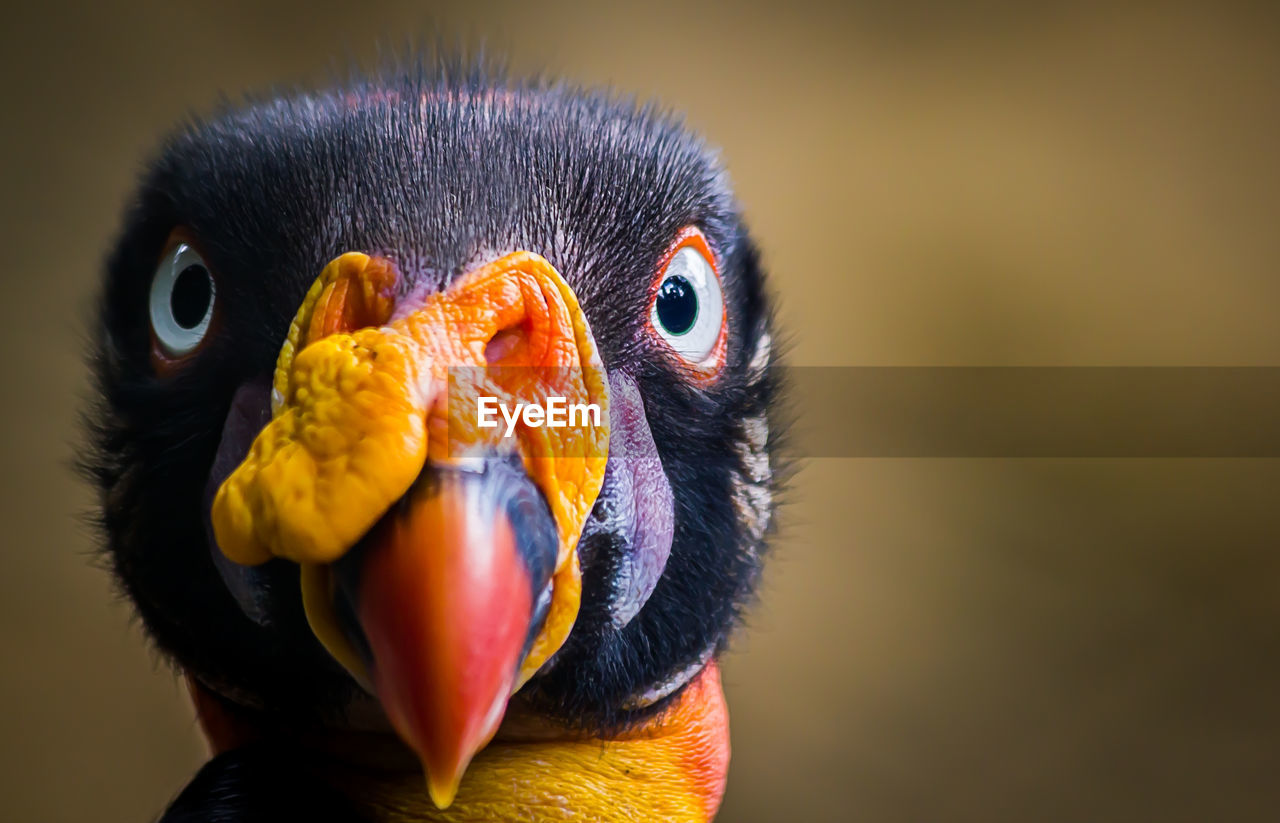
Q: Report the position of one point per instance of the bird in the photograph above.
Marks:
(383, 605)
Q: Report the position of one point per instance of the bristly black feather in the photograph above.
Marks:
(439, 168)
(262, 783)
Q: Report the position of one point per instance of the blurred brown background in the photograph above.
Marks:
(933, 184)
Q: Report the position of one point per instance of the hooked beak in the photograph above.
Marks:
(438, 554)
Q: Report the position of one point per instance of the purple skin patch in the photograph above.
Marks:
(250, 412)
(635, 506)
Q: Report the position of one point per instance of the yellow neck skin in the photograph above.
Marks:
(672, 768)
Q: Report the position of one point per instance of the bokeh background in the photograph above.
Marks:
(932, 184)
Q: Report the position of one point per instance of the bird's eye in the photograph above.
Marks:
(688, 307)
(182, 295)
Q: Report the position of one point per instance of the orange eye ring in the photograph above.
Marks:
(699, 341)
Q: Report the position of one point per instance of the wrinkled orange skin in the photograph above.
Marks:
(364, 397)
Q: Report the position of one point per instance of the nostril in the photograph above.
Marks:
(502, 345)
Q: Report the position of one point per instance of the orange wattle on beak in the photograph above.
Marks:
(438, 555)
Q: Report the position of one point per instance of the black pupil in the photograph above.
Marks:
(677, 305)
(192, 292)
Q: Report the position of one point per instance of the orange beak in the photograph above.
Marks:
(438, 553)
(445, 597)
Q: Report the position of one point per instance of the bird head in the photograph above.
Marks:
(318, 329)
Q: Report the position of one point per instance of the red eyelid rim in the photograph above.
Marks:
(163, 363)
(710, 368)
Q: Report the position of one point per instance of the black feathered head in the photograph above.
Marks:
(304, 289)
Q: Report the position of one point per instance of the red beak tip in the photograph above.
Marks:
(445, 760)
